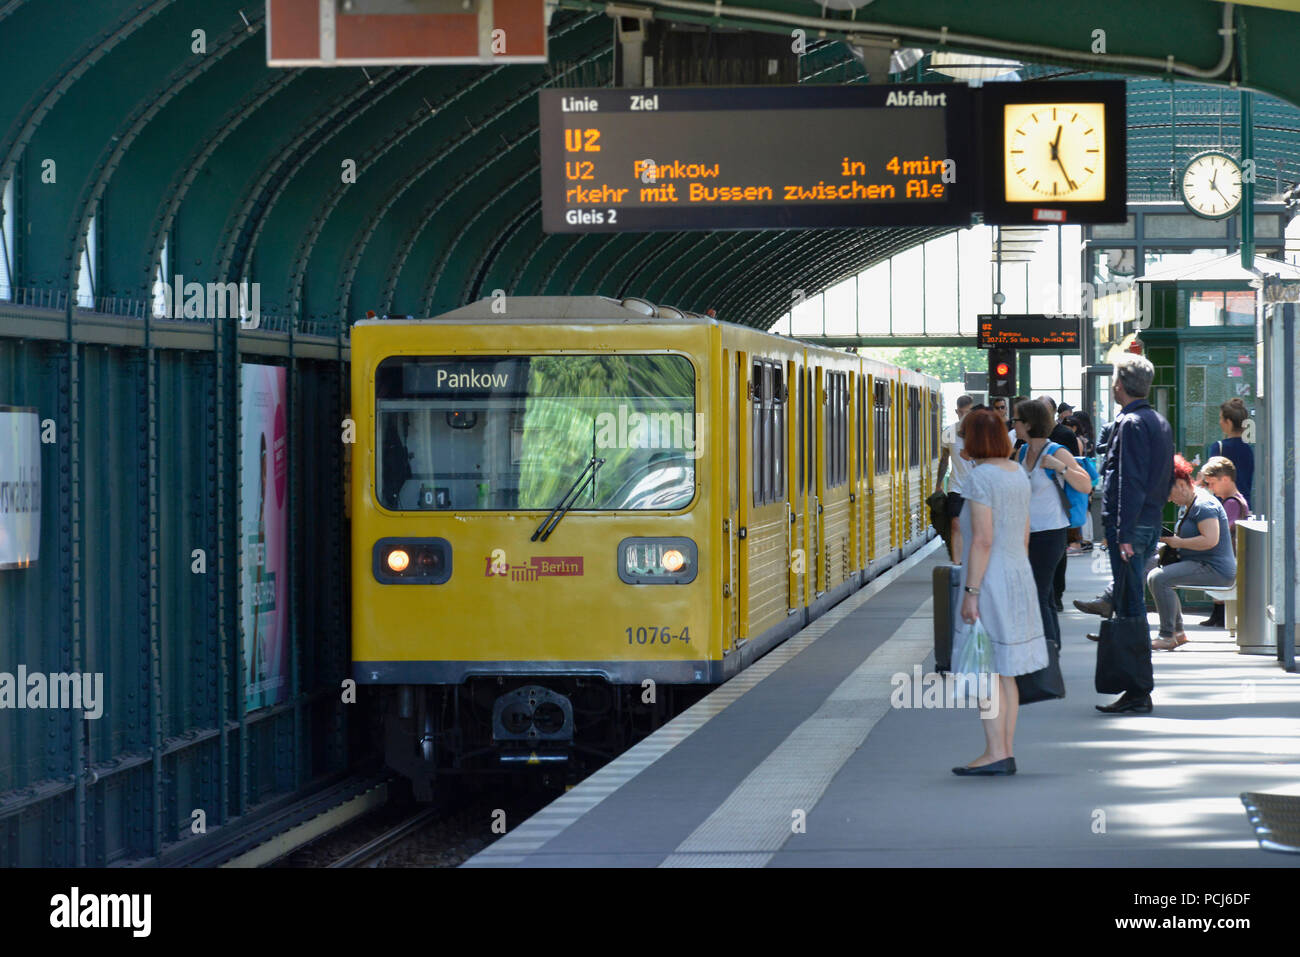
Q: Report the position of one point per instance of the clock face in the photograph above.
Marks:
(1055, 151)
(1212, 185)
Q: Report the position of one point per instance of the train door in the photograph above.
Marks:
(868, 470)
(851, 452)
(795, 483)
(869, 415)
(896, 493)
(904, 467)
(818, 449)
(738, 493)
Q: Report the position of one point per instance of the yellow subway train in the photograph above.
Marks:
(572, 516)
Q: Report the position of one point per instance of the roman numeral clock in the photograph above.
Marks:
(1211, 185)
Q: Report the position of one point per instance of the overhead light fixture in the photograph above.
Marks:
(900, 61)
(966, 66)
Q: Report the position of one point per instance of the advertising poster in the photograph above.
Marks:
(20, 486)
(263, 524)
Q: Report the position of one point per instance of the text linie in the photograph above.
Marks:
(579, 104)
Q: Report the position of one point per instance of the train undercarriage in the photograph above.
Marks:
(557, 729)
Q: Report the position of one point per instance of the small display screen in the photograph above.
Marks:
(1028, 332)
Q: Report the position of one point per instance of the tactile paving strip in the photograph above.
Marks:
(1276, 819)
(514, 847)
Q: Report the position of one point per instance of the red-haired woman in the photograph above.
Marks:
(998, 584)
(1205, 559)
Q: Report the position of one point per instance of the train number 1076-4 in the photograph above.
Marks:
(650, 634)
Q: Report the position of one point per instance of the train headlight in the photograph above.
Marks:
(657, 561)
(412, 561)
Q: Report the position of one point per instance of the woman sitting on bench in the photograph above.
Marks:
(1205, 559)
(1219, 475)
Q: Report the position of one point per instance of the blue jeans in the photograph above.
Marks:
(1127, 577)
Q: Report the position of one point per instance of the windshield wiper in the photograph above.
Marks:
(587, 476)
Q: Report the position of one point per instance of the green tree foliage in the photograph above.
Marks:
(945, 363)
(566, 397)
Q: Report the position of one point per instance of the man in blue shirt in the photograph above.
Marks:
(1136, 477)
(1232, 419)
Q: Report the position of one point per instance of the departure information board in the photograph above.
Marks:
(1028, 331)
(756, 157)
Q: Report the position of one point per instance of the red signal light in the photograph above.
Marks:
(1003, 368)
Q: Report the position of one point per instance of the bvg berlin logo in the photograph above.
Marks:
(495, 565)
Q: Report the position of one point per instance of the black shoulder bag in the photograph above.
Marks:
(1124, 648)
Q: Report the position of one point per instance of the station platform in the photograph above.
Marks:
(808, 736)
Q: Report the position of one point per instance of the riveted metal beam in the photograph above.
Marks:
(280, 169)
(688, 242)
(479, 271)
(73, 70)
(145, 111)
(436, 274)
(599, 263)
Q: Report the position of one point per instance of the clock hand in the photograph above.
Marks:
(1056, 145)
(1069, 181)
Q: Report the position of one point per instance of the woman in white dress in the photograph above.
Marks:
(998, 584)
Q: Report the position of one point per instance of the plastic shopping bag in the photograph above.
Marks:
(974, 652)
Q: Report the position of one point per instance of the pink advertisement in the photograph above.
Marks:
(263, 523)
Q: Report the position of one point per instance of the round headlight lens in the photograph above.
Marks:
(398, 560)
(673, 560)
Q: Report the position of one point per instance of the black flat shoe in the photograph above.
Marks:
(1127, 704)
(1005, 766)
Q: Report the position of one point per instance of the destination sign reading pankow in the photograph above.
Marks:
(755, 157)
(1026, 331)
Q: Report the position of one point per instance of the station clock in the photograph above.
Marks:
(1054, 151)
(1211, 185)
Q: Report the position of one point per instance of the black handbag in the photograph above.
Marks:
(1124, 652)
(1046, 684)
(1167, 554)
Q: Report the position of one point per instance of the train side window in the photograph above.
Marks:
(838, 398)
(758, 471)
(837, 417)
(858, 429)
(934, 424)
(844, 428)
(882, 428)
(779, 437)
(835, 429)
(769, 485)
(809, 394)
(914, 425)
(798, 402)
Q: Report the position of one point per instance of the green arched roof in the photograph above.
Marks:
(238, 168)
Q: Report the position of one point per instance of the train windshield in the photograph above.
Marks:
(512, 432)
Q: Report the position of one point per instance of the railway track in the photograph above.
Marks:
(373, 852)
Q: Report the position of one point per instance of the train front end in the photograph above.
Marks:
(530, 531)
